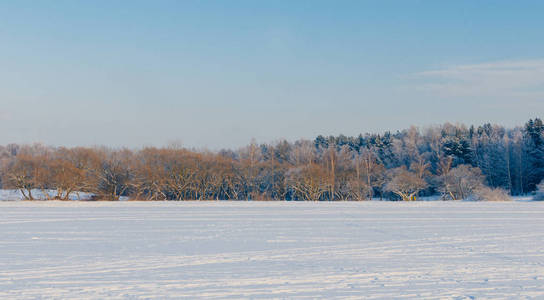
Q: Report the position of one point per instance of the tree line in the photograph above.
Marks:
(450, 160)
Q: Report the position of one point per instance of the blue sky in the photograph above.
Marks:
(219, 73)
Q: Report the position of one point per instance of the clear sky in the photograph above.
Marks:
(219, 73)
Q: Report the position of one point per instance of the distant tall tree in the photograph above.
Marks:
(369, 172)
(491, 155)
(534, 132)
(330, 158)
(250, 158)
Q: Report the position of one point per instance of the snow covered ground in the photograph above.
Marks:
(375, 250)
(14, 195)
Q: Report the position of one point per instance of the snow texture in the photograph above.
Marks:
(373, 250)
(13, 195)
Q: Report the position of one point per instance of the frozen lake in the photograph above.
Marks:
(343, 250)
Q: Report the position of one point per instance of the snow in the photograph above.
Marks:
(524, 198)
(375, 250)
(14, 195)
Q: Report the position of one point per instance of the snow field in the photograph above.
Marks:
(373, 250)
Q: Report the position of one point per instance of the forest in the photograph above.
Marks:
(450, 161)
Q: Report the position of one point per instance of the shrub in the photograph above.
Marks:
(485, 193)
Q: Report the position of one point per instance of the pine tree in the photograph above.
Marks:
(534, 133)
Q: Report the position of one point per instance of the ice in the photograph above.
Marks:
(375, 250)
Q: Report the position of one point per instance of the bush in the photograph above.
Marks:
(485, 193)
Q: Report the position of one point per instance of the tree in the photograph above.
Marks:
(519, 161)
(534, 134)
(21, 174)
(490, 145)
(461, 182)
(330, 158)
(369, 172)
(358, 189)
(110, 174)
(250, 157)
(150, 174)
(404, 183)
(65, 176)
(181, 174)
(308, 182)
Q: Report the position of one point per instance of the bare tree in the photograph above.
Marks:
(110, 174)
(149, 174)
(461, 182)
(359, 190)
(181, 174)
(250, 157)
(308, 182)
(330, 158)
(21, 174)
(369, 170)
(404, 183)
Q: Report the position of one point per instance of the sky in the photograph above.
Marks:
(217, 74)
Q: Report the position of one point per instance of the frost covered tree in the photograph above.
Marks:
(534, 132)
(369, 172)
(490, 154)
(485, 193)
(309, 182)
(110, 173)
(461, 182)
(62, 174)
(404, 183)
(21, 174)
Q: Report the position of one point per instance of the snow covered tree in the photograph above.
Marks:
(534, 132)
(21, 174)
(308, 182)
(110, 174)
(461, 182)
(490, 154)
(369, 172)
(404, 183)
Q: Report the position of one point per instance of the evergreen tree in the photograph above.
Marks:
(534, 132)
